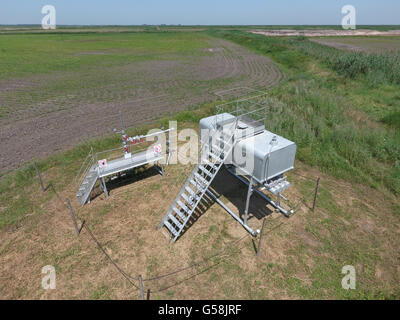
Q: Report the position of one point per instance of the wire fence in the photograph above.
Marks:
(137, 281)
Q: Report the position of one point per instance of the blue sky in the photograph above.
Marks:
(189, 12)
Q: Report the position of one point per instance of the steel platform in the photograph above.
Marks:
(123, 164)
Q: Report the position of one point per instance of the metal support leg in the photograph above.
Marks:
(285, 212)
(210, 193)
(249, 193)
(104, 187)
(159, 168)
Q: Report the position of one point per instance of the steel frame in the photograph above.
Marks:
(159, 167)
(253, 186)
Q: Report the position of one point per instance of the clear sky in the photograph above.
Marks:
(199, 12)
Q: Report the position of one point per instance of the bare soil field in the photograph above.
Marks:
(370, 44)
(44, 113)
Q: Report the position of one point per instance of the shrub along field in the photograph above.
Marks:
(378, 68)
(346, 131)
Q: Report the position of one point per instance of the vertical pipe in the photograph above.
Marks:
(249, 192)
(91, 151)
(265, 115)
(168, 145)
(123, 135)
(104, 187)
(278, 199)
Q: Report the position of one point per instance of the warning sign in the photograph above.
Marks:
(157, 148)
(103, 163)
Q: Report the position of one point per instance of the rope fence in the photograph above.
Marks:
(137, 281)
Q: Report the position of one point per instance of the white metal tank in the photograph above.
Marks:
(270, 155)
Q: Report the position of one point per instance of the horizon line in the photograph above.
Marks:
(189, 25)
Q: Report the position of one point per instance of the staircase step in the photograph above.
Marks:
(197, 185)
(214, 156)
(182, 205)
(208, 163)
(218, 148)
(186, 198)
(201, 179)
(171, 228)
(179, 213)
(207, 172)
(222, 140)
(175, 221)
(191, 192)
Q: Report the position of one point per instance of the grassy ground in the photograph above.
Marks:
(28, 54)
(337, 124)
(301, 257)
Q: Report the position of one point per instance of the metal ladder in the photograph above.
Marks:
(86, 178)
(212, 159)
(87, 185)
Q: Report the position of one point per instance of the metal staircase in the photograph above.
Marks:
(86, 178)
(213, 155)
(87, 185)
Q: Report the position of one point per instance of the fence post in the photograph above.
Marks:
(315, 194)
(71, 211)
(261, 236)
(141, 287)
(148, 294)
(40, 177)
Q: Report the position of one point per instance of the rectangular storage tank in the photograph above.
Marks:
(211, 123)
(271, 158)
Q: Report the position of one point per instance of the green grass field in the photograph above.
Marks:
(347, 129)
(27, 54)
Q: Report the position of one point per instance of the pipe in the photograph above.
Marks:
(251, 231)
(286, 213)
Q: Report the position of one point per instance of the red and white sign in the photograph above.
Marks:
(103, 163)
(157, 148)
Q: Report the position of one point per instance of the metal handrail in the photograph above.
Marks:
(84, 169)
(220, 106)
(221, 93)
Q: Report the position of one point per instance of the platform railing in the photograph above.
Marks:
(84, 169)
(253, 107)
